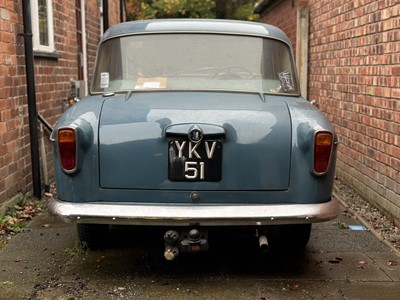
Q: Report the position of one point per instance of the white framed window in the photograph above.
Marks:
(42, 25)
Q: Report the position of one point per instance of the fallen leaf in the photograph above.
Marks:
(46, 225)
(25, 217)
(391, 263)
(294, 287)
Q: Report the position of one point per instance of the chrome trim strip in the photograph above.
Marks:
(186, 215)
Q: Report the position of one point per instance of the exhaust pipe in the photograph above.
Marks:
(262, 240)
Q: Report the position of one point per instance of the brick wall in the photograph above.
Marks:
(354, 75)
(14, 149)
(354, 70)
(53, 83)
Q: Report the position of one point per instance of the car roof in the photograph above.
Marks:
(196, 26)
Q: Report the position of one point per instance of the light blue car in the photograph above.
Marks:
(192, 125)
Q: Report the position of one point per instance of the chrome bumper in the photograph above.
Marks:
(186, 215)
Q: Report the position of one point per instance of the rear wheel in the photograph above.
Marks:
(93, 236)
(294, 237)
(289, 238)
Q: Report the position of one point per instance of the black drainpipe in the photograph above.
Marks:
(121, 11)
(30, 87)
(105, 15)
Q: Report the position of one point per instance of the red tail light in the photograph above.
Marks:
(67, 148)
(323, 142)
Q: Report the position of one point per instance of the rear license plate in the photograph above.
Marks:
(189, 161)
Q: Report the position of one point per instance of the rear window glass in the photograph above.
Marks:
(194, 62)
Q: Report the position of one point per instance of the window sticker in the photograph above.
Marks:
(104, 80)
(151, 83)
(286, 81)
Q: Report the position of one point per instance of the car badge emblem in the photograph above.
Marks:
(195, 134)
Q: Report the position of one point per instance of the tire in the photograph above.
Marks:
(294, 237)
(93, 236)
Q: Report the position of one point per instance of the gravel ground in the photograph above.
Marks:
(370, 216)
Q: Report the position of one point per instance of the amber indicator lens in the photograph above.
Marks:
(67, 148)
(322, 151)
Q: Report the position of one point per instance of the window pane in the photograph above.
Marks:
(43, 23)
(195, 62)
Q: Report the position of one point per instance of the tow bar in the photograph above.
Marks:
(190, 240)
